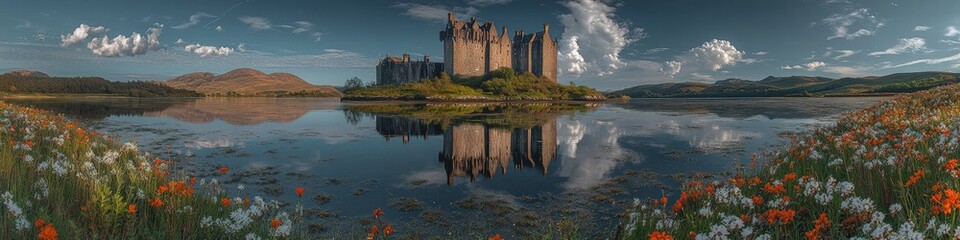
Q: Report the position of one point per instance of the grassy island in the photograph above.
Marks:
(504, 84)
(889, 171)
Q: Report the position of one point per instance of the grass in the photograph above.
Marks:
(60, 181)
(499, 85)
(889, 171)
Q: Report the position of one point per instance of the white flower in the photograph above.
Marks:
(705, 211)
(895, 208)
(252, 236)
(857, 205)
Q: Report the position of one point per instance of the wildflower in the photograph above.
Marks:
(223, 169)
(819, 226)
(776, 188)
(913, 179)
(39, 223)
(945, 202)
(275, 223)
(299, 191)
(388, 230)
(780, 216)
(48, 232)
(373, 232)
(131, 209)
(658, 235)
(377, 213)
(789, 177)
(157, 203)
(225, 202)
(495, 237)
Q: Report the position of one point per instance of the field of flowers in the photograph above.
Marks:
(59, 181)
(889, 171)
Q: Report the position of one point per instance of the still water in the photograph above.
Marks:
(455, 169)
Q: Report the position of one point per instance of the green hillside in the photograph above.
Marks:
(795, 86)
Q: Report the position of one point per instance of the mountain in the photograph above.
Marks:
(27, 73)
(795, 86)
(32, 82)
(246, 81)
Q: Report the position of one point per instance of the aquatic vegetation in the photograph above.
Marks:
(80, 184)
(885, 172)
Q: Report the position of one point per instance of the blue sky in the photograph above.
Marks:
(605, 44)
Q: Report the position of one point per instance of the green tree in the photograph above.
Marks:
(352, 83)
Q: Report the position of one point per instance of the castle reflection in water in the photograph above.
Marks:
(474, 149)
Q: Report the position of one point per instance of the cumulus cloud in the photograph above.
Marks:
(121, 45)
(194, 20)
(219, 28)
(204, 51)
(80, 34)
(592, 39)
(810, 66)
(760, 53)
(257, 23)
(951, 31)
(906, 45)
(712, 55)
(843, 25)
(921, 28)
(434, 12)
(179, 41)
(671, 68)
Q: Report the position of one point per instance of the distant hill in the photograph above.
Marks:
(28, 73)
(249, 82)
(795, 86)
(32, 82)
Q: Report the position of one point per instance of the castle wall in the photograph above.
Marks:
(393, 70)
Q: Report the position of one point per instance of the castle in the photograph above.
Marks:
(474, 49)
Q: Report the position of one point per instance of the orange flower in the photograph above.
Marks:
(780, 216)
(223, 169)
(225, 202)
(774, 189)
(275, 223)
(373, 232)
(299, 191)
(39, 223)
(789, 177)
(916, 176)
(162, 189)
(664, 200)
(945, 202)
(131, 209)
(48, 232)
(658, 235)
(757, 200)
(679, 204)
(156, 202)
(822, 223)
(388, 230)
(754, 181)
(495, 237)
(29, 143)
(377, 213)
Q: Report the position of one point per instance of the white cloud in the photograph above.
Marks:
(810, 66)
(434, 12)
(179, 41)
(760, 53)
(716, 54)
(194, 20)
(121, 45)
(256, 23)
(951, 31)
(592, 39)
(845, 71)
(80, 34)
(204, 51)
(953, 58)
(860, 19)
(839, 54)
(906, 45)
(701, 77)
(241, 47)
(219, 28)
(671, 68)
(654, 51)
(712, 55)
(302, 26)
(921, 28)
(483, 3)
(316, 36)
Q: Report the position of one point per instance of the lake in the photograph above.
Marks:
(459, 169)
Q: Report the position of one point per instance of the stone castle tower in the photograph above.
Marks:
(474, 49)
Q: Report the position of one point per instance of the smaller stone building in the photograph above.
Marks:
(396, 70)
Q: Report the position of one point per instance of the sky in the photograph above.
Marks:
(606, 44)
